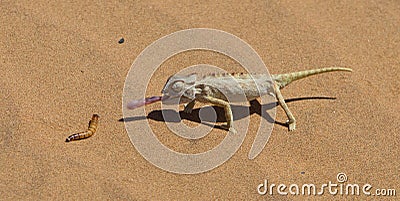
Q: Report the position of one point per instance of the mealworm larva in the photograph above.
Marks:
(90, 131)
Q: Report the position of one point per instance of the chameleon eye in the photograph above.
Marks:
(177, 86)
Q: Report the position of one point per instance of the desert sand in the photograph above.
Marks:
(62, 62)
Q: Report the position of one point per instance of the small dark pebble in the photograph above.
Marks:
(302, 172)
(121, 40)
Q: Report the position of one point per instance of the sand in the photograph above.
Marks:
(61, 62)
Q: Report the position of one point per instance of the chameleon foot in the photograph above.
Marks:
(229, 128)
(292, 125)
(232, 130)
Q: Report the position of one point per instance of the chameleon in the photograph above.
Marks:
(214, 89)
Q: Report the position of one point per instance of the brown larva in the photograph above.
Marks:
(90, 131)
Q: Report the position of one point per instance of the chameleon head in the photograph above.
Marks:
(179, 89)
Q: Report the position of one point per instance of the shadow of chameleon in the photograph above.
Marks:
(239, 112)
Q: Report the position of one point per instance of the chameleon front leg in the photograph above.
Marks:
(227, 109)
(282, 103)
(189, 107)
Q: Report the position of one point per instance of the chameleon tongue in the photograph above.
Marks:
(141, 102)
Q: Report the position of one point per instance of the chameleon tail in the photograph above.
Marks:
(283, 80)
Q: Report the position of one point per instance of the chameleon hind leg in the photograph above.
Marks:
(282, 103)
(227, 109)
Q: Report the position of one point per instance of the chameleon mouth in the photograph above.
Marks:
(173, 100)
(168, 100)
(165, 98)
